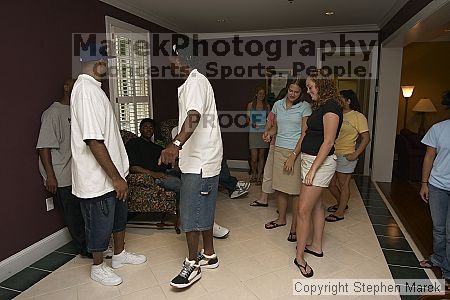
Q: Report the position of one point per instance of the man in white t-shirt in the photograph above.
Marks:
(99, 166)
(199, 146)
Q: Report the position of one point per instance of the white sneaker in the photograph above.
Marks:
(238, 192)
(243, 185)
(108, 253)
(105, 275)
(123, 258)
(220, 232)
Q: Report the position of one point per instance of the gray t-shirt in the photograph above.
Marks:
(55, 134)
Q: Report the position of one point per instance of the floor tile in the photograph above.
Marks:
(394, 243)
(7, 294)
(407, 273)
(401, 258)
(255, 263)
(153, 293)
(374, 203)
(24, 279)
(389, 231)
(380, 211)
(382, 220)
(52, 261)
(68, 248)
(66, 294)
(193, 292)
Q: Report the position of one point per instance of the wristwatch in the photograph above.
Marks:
(177, 143)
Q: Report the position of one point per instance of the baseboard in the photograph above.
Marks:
(33, 253)
(238, 164)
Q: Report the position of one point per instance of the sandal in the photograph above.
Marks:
(333, 218)
(272, 225)
(292, 237)
(257, 203)
(316, 254)
(426, 264)
(307, 275)
(334, 208)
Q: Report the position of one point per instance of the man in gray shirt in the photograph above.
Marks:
(55, 160)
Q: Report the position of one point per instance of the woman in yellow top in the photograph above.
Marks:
(354, 126)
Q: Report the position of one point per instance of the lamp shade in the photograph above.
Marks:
(424, 105)
(407, 90)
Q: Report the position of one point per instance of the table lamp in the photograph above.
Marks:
(424, 106)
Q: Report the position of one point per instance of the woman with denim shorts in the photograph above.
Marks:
(354, 127)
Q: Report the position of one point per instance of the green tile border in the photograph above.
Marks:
(29, 276)
(387, 229)
(52, 261)
(6, 294)
(24, 279)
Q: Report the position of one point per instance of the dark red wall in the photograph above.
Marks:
(36, 61)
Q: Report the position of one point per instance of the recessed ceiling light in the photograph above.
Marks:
(220, 20)
(329, 13)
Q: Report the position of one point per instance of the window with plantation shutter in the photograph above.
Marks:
(130, 82)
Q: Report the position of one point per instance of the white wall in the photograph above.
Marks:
(387, 108)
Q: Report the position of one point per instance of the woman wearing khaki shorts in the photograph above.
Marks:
(318, 164)
(291, 114)
(354, 127)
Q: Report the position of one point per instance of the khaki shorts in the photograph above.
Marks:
(282, 181)
(324, 173)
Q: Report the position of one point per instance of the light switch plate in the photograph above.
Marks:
(49, 203)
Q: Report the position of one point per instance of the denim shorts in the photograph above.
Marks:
(344, 165)
(197, 202)
(103, 215)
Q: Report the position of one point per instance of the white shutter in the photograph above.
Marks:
(132, 88)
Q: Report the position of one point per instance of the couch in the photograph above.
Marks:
(144, 196)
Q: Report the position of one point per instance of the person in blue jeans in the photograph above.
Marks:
(435, 191)
(143, 154)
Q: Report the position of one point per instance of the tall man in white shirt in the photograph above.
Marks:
(99, 166)
(199, 146)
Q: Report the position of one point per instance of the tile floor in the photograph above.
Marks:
(255, 263)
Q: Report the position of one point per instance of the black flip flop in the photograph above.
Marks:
(257, 203)
(334, 208)
(313, 252)
(333, 218)
(307, 275)
(292, 237)
(272, 225)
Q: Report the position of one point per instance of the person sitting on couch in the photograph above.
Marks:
(144, 154)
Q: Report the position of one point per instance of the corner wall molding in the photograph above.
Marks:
(33, 253)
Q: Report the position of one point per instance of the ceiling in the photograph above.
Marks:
(434, 28)
(201, 16)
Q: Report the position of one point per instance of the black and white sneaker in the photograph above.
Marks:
(207, 261)
(189, 274)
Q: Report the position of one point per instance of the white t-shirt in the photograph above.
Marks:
(55, 135)
(202, 152)
(93, 119)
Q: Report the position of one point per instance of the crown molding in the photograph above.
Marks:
(145, 15)
(288, 31)
(398, 5)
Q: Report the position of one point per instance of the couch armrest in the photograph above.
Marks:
(143, 180)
